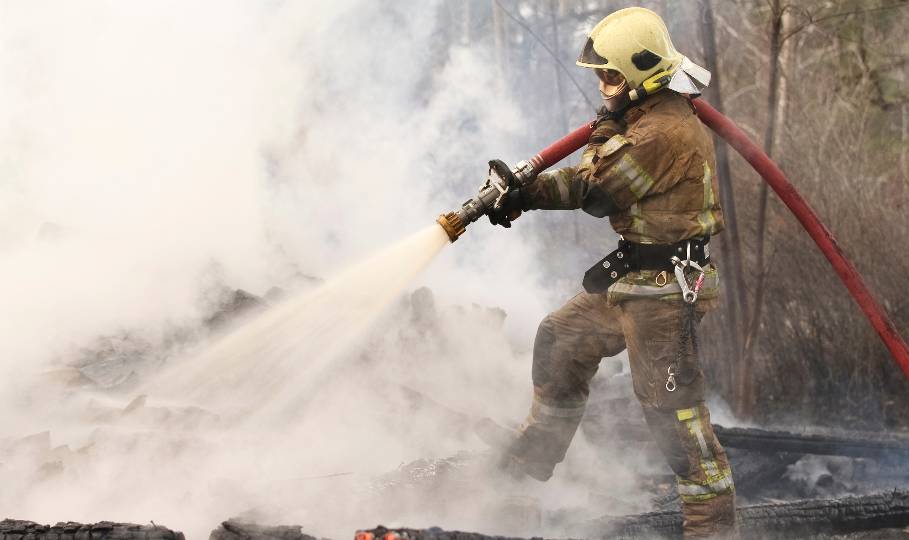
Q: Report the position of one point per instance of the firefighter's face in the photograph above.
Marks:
(613, 88)
(612, 82)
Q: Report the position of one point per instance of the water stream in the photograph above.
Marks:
(265, 365)
(222, 432)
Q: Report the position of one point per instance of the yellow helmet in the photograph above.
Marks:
(633, 41)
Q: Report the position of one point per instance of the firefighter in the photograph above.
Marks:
(650, 168)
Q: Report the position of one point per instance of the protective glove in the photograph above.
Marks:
(511, 208)
(512, 203)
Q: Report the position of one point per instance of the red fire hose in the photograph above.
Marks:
(562, 148)
(772, 174)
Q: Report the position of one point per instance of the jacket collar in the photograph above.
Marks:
(644, 106)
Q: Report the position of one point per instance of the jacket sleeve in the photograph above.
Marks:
(564, 189)
(626, 170)
(561, 189)
(612, 176)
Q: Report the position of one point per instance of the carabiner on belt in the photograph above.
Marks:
(670, 382)
(689, 293)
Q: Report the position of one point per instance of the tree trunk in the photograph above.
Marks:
(554, 6)
(465, 23)
(744, 390)
(731, 256)
(560, 89)
(498, 32)
(904, 156)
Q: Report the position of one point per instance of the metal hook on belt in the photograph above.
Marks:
(689, 293)
(670, 382)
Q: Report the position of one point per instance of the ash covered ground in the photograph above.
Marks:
(405, 454)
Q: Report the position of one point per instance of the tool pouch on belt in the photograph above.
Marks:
(633, 257)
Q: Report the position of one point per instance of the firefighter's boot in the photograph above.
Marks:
(503, 441)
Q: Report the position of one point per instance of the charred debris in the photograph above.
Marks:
(819, 484)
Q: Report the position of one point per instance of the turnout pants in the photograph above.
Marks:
(569, 346)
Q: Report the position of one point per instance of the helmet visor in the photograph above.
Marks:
(589, 56)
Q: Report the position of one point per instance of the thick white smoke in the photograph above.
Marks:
(157, 140)
(151, 149)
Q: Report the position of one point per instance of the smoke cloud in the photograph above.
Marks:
(157, 151)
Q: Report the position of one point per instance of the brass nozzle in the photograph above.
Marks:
(452, 224)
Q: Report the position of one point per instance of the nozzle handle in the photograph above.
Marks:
(455, 222)
(562, 148)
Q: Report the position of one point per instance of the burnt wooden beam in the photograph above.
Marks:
(817, 518)
(12, 529)
(857, 445)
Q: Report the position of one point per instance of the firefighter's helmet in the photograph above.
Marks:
(633, 41)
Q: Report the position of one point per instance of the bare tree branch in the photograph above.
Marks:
(533, 34)
(812, 21)
(736, 35)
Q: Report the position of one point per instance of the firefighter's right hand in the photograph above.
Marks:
(511, 204)
(510, 209)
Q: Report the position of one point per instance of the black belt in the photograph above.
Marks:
(633, 257)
